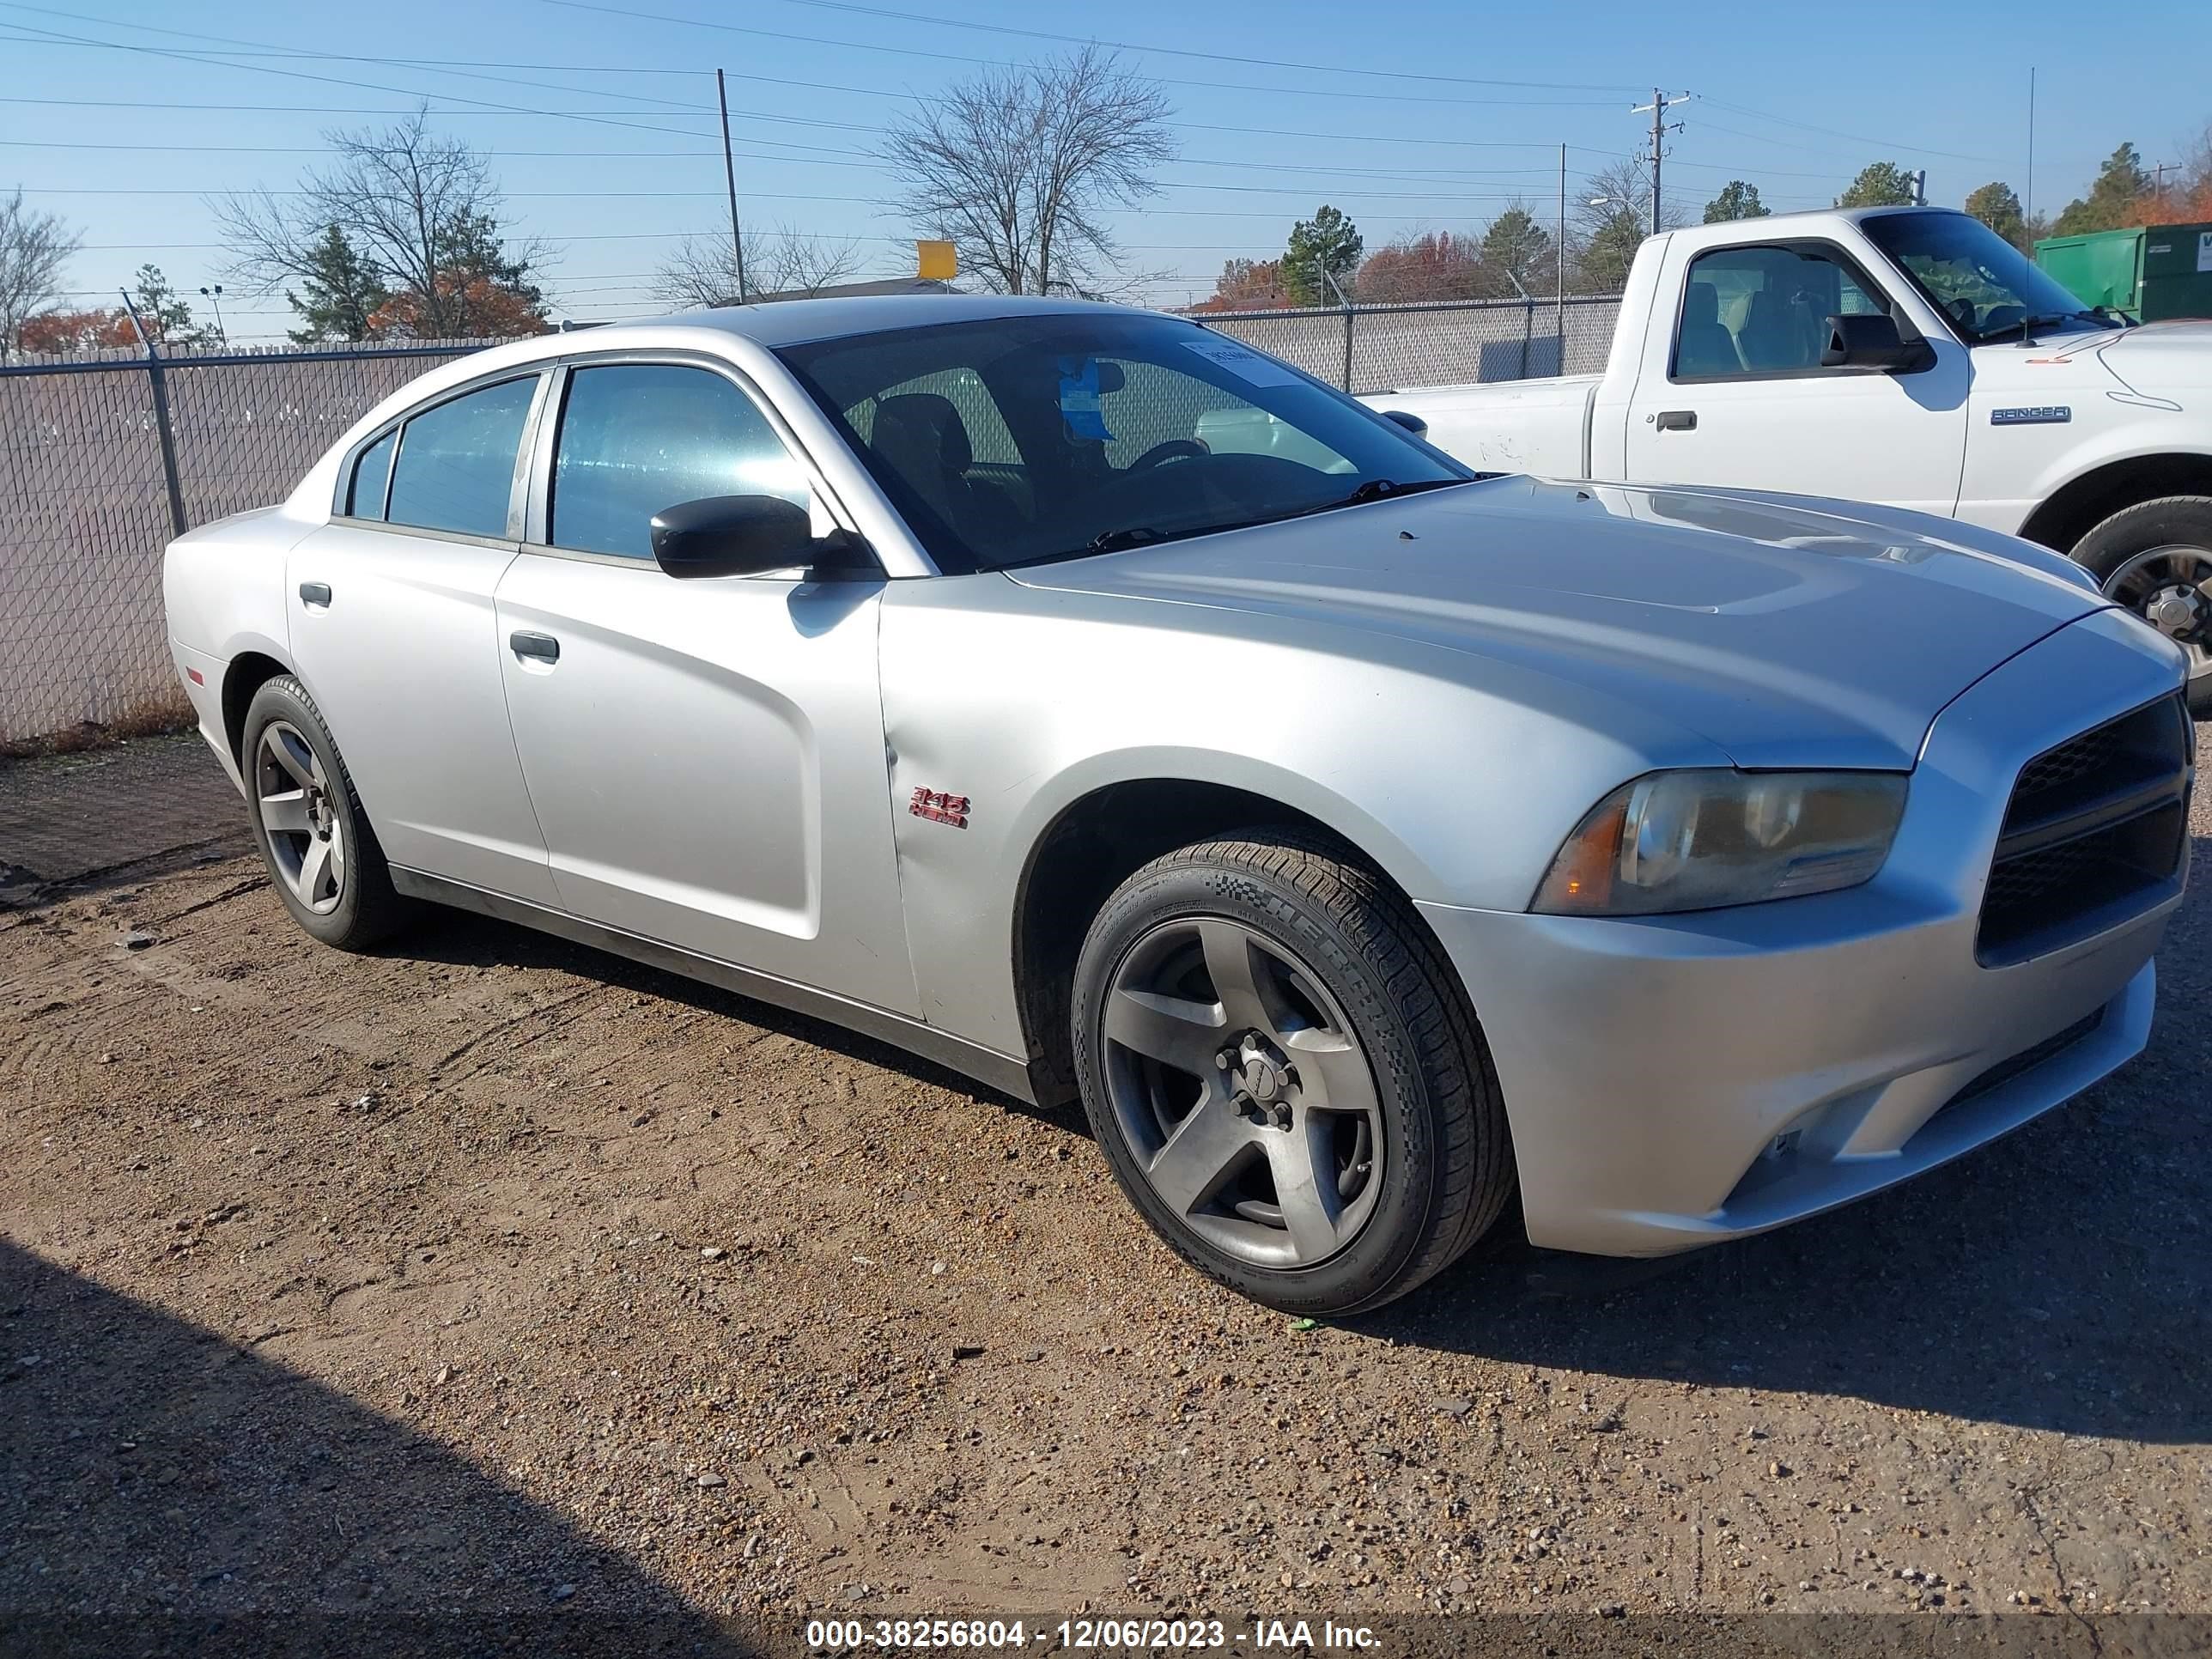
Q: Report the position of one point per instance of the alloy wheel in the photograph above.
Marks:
(306, 840)
(1250, 1105)
(2171, 588)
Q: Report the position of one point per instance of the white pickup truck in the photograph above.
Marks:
(1903, 356)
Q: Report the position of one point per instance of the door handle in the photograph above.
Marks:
(542, 646)
(314, 592)
(1678, 420)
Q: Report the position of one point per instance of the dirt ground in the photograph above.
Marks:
(493, 1278)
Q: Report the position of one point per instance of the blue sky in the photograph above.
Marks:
(1464, 109)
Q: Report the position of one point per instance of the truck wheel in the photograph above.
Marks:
(2155, 558)
(1285, 1075)
(307, 821)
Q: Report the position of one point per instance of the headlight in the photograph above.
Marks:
(1697, 841)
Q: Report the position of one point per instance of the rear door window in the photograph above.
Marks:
(455, 469)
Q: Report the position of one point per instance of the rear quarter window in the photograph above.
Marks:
(372, 472)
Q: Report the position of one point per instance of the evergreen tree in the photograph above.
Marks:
(2119, 197)
(1517, 243)
(1879, 184)
(162, 311)
(340, 291)
(1322, 255)
(1997, 206)
(1737, 200)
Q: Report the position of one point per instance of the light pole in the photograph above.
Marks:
(216, 295)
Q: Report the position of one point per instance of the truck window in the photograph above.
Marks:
(1751, 310)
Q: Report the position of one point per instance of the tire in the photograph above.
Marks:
(2162, 548)
(1274, 971)
(315, 840)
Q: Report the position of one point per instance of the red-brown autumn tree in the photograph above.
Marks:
(1435, 265)
(76, 331)
(487, 310)
(1247, 285)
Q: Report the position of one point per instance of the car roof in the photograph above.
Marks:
(792, 322)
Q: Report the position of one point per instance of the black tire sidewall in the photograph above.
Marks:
(1366, 1272)
(283, 699)
(2174, 521)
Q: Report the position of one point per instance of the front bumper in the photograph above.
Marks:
(1675, 1081)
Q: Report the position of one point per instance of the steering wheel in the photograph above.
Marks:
(1175, 449)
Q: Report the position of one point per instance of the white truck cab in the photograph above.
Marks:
(1904, 355)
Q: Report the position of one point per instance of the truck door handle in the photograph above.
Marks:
(314, 592)
(1678, 420)
(543, 647)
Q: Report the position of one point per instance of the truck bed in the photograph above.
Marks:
(1510, 426)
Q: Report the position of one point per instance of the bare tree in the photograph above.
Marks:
(1019, 167)
(1613, 218)
(33, 248)
(423, 210)
(704, 270)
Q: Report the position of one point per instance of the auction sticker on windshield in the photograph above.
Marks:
(1245, 364)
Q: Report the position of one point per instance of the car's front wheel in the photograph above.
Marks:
(308, 824)
(2155, 559)
(1284, 1076)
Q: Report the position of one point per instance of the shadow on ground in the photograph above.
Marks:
(164, 1491)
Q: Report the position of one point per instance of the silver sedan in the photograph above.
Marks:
(1086, 702)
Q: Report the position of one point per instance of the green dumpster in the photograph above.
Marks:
(2176, 272)
(2156, 273)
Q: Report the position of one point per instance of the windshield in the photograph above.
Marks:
(1053, 434)
(1987, 287)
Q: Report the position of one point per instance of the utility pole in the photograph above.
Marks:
(1559, 281)
(730, 177)
(1660, 127)
(1920, 188)
(2158, 182)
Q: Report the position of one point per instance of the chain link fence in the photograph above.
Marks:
(1366, 349)
(104, 456)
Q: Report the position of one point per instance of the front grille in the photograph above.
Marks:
(2096, 830)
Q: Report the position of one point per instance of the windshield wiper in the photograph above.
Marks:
(1142, 535)
(1376, 489)
(2025, 326)
(1118, 541)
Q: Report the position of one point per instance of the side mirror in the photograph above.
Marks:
(1873, 342)
(1413, 423)
(742, 536)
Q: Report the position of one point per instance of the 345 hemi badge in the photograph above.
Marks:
(940, 808)
(2039, 415)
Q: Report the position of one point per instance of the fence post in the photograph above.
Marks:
(1347, 345)
(1527, 328)
(160, 385)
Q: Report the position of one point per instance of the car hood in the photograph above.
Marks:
(2162, 357)
(1785, 630)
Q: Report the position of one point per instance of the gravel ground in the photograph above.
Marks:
(493, 1278)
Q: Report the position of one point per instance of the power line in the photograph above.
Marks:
(975, 63)
(1832, 132)
(208, 58)
(220, 59)
(1187, 51)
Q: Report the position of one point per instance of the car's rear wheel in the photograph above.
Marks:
(308, 824)
(1284, 1076)
(2155, 559)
